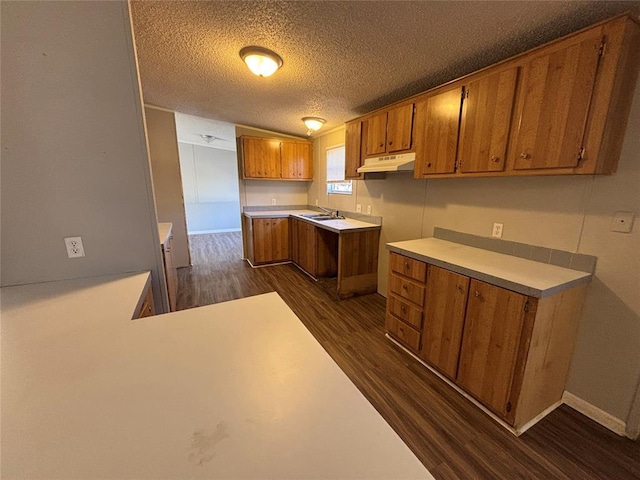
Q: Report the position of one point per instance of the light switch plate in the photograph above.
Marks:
(622, 222)
(368, 209)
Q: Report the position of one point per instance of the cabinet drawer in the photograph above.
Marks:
(403, 332)
(407, 312)
(407, 289)
(408, 267)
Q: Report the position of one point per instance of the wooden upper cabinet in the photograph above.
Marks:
(556, 92)
(444, 311)
(490, 344)
(399, 128)
(487, 107)
(376, 134)
(297, 160)
(436, 132)
(353, 149)
(270, 158)
(261, 157)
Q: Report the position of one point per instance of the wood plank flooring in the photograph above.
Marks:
(452, 437)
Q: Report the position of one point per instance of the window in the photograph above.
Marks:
(335, 172)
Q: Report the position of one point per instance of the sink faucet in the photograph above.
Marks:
(333, 213)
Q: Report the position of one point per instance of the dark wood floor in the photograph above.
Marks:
(451, 437)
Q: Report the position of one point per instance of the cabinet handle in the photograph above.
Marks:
(524, 155)
(495, 159)
(476, 294)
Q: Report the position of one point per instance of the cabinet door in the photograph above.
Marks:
(376, 136)
(490, 340)
(445, 305)
(554, 102)
(399, 128)
(307, 248)
(353, 149)
(437, 120)
(279, 239)
(270, 240)
(485, 122)
(261, 157)
(297, 160)
(294, 241)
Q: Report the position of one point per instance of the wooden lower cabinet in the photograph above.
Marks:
(268, 240)
(509, 351)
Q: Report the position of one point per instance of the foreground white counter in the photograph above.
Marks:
(233, 390)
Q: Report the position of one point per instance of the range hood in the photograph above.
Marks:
(389, 163)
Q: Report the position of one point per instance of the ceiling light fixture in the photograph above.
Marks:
(313, 123)
(261, 61)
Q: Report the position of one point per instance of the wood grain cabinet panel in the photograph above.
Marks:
(405, 311)
(403, 332)
(270, 240)
(491, 339)
(399, 128)
(437, 124)
(376, 138)
(444, 314)
(297, 160)
(307, 248)
(485, 121)
(353, 149)
(261, 158)
(554, 104)
(408, 267)
(407, 289)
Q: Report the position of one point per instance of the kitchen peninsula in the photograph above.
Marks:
(233, 390)
(321, 245)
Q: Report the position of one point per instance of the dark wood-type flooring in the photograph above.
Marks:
(451, 437)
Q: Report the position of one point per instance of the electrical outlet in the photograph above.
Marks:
(273, 201)
(622, 222)
(74, 247)
(368, 209)
(316, 202)
(358, 208)
(497, 230)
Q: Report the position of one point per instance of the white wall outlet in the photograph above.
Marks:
(622, 222)
(368, 209)
(74, 246)
(358, 207)
(316, 202)
(273, 201)
(497, 230)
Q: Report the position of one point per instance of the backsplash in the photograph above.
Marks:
(560, 258)
(353, 215)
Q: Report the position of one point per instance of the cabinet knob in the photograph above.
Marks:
(390, 142)
(524, 155)
(428, 164)
(460, 288)
(476, 294)
(381, 145)
(495, 159)
(405, 287)
(403, 308)
(406, 265)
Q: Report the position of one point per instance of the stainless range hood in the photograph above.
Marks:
(389, 163)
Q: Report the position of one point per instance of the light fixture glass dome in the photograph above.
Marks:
(313, 123)
(261, 61)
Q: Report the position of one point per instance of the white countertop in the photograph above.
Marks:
(234, 390)
(337, 225)
(164, 231)
(518, 274)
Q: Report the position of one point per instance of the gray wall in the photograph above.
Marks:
(210, 184)
(568, 213)
(167, 181)
(74, 157)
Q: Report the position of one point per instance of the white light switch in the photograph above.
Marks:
(622, 222)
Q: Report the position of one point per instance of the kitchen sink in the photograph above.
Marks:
(319, 217)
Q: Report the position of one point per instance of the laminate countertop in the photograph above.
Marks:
(524, 276)
(238, 389)
(337, 225)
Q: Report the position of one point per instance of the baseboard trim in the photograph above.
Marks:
(596, 414)
(222, 230)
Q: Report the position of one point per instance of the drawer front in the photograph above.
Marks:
(409, 267)
(407, 289)
(403, 332)
(405, 311)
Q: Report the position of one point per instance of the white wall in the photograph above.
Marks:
(167, 180)
(74, 157)
(211, 192)
(569, 213)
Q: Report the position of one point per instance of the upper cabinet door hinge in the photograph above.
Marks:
(581, 154)
(602, 48)
(465, 92)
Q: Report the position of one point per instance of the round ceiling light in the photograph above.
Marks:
(261, 61)
(313, 123)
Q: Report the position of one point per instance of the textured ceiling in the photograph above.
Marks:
(341, 58)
